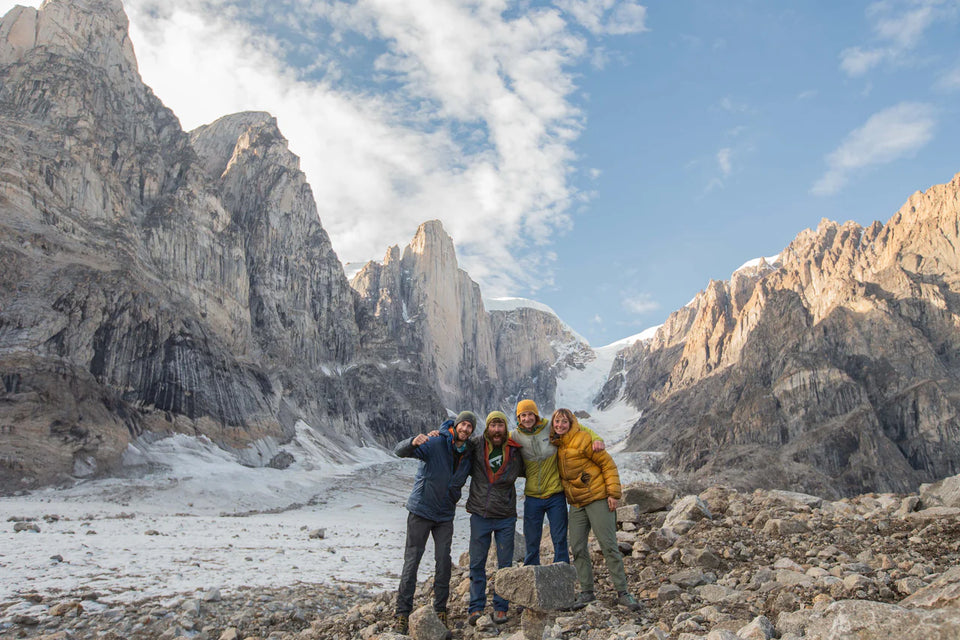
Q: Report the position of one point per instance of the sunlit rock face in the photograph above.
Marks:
(834, 370)
(158, 281)
(419, 306)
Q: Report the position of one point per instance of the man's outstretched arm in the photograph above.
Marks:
(410, 447)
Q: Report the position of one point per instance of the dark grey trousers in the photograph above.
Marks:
(418, 530)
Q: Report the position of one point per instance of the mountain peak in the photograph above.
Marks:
(94, 30)
(217, 142)
(431, 238)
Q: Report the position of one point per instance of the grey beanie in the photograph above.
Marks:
(468, 416)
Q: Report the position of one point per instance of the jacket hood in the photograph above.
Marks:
(448, 431)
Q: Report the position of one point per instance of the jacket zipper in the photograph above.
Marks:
(486, 461)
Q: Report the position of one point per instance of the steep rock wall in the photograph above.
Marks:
(158, 283)
(834, 370)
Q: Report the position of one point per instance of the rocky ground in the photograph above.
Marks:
(721, 565)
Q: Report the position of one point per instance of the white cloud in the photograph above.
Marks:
(724, 161)
(713, 185)
(724, 164)
(887, 136)
(465, 112)
(898, 27)
(728, 104)
(950, 81)
(640, 303)
(903, 24)
(856, 61)
(607, 17)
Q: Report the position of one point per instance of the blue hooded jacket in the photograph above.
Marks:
(441, 476)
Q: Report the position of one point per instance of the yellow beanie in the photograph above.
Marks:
(527, 405)
(496, 415)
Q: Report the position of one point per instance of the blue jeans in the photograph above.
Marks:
(481, 529)
(555, 508)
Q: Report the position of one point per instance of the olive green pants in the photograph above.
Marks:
(596, 516)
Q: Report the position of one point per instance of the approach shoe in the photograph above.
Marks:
(500, 617)
(401, 623)
(626, 599)
(583, 599)
(473, 617)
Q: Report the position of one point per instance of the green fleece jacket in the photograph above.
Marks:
(540, 459)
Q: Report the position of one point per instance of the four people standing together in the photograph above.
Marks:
(562, 460)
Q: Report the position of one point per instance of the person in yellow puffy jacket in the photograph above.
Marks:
(543, 493)
(591, 483)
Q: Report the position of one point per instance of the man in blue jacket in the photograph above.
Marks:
(444, 468)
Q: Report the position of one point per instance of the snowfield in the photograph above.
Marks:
(196, 519)
(189, 516)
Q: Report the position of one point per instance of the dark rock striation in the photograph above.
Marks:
(155, 281)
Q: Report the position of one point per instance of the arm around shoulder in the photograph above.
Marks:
(597, 441)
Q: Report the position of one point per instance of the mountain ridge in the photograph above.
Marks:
(159, 281)
(811, 367)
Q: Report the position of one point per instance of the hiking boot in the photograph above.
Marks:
(626, 599)
(473, 617)
(499, 617)
(583, 599)
(401, 623)
(443, 617)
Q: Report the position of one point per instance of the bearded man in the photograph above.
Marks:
(492, 505)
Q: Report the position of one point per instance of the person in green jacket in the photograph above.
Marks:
(543, 493)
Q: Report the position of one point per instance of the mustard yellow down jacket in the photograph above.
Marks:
(587, 475)
(540, 459)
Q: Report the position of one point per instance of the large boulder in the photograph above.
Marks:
(942, 592)
(867, 620)
(426, 625)
(945, 493)
(687, 512)
(648, 497)
(546, 587)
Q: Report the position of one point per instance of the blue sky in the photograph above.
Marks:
(605, 157)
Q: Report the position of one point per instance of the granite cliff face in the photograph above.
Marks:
(155, 281)
(534, 348)
(423, 308)
(434, 310)
(834, 370)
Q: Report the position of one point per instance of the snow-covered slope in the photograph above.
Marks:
(199, 520)
(510, 304)
(576, 390)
